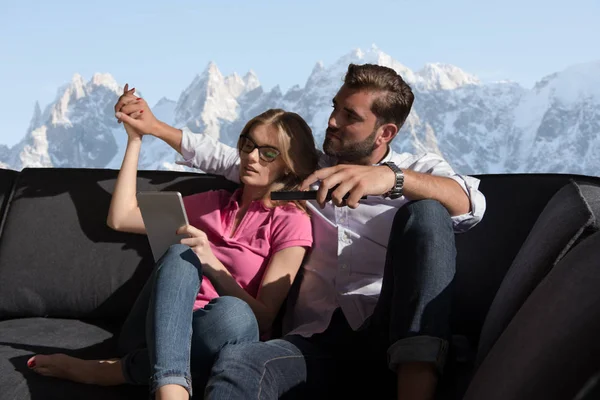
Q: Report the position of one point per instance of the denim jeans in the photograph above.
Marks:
(168, 343)
(409, 324)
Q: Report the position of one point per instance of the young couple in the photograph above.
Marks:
(373, 303)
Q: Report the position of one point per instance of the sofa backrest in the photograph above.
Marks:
(7, 180)
(58, 258)
(571, 215)
(486, 252)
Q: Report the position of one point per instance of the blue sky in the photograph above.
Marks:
(159, 46)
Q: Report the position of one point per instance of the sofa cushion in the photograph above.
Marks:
(24, 337)
(571, 214)
(58, 257)
(550, 348)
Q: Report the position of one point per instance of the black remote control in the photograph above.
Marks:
(303, 195)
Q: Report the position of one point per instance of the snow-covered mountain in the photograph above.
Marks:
(478, 127)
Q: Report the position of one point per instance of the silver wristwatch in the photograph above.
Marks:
(396, 191)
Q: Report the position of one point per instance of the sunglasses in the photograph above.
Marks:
(266, 153)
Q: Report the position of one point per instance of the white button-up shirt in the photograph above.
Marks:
(345, 266)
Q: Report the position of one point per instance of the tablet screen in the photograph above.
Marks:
(163, 214)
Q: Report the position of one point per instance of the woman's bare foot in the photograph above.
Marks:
(93, 372)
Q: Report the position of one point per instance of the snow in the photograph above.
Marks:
(438, 76)
(105, 80)
(251, 81)
(35, 154)
(575, 83)
(479, 127)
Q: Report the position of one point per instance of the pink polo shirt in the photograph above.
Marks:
(261, 233)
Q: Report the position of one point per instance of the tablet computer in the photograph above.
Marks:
(163, 214)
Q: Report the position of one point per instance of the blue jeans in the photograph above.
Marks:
(165, 340)
(411, 323)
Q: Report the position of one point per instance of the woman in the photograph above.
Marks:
(248, 247)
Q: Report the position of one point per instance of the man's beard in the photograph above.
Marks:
(350, 153)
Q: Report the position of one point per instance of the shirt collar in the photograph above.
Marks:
(329, 161)
(388, 156)
(234, 202)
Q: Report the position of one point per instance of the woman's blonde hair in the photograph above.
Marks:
(296, 144)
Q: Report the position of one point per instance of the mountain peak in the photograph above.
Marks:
(276, 90)
(356, 56)
(439, 76)
(235, 77)
(250, 74)
(317, 71)
(77, 78)
(373, 55)
(36, 119)
(318, 67)
(36, 109)
(212, 71)
(76, 86)
(105, 80)
(575, 83)
(251, 80)
(163, 100)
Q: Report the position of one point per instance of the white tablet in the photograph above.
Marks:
(163, 214)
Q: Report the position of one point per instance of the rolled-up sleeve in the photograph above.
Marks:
(209, 155)
(470, 185)
(435, 165)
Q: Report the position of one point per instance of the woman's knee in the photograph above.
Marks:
(224, 321)
(238, 318)
(179, 256)
(233, 318)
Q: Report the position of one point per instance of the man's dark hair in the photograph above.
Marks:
(396, 97)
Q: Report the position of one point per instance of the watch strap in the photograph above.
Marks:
(396, 191)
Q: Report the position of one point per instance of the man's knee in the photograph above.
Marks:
(256, 357)
(232, 355)
(240, 369)
(423, 231)
(426, 217)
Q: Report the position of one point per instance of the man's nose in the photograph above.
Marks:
(332, 122)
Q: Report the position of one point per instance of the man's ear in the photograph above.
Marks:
(388, 132)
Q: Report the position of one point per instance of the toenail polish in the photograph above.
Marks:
(31, 363)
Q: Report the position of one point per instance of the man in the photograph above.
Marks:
(364, 305)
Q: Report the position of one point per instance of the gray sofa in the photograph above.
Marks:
(526, 305)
